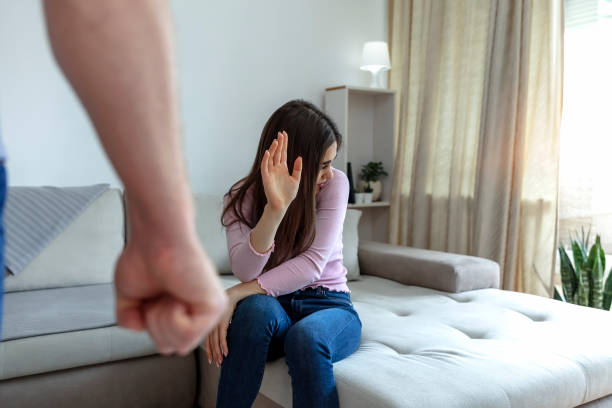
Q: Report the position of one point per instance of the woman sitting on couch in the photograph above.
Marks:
(284, 235)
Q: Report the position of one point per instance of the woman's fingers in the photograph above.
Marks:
(214, 342)
(207, 348)
(223, 338)
(284, 149)
(273, 149)
(277, 152)
(297, 169)
(264, 165)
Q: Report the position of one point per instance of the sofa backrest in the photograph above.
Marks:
(83, 254)
(86, 251)
(210, 230)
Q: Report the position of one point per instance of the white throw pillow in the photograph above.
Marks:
(350, 243)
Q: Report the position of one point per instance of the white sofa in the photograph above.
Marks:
(436, 332)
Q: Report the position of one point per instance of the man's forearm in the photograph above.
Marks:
(124, 75)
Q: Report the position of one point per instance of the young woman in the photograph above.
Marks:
(284, 234)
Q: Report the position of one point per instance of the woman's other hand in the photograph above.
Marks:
(216, 341)
(280, 186)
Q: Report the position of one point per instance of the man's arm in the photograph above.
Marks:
(119, 57)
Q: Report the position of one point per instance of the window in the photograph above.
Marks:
(585, 173)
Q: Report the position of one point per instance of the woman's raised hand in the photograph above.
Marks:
(280, 186)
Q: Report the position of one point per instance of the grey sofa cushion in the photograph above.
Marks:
(49, 311)
(51, 352)
(431, 269)
(54, 329)
(483, 348)
(350, 243)
(83, 254)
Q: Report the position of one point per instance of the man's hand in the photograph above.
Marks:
(119, 57)
(173, 293)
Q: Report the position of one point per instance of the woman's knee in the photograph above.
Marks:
(257, 312)
(304, 339)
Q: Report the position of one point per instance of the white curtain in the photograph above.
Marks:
(480, 91)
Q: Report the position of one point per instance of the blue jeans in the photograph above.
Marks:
(2, 198)
(313, 328)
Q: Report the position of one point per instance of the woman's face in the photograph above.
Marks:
(325, 168)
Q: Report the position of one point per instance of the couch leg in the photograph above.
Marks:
(199, 384)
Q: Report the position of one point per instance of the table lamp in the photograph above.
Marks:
(375, 58)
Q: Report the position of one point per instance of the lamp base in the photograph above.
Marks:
(376, 80)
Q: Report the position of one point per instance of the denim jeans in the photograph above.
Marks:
(2, 198)
(313, 328)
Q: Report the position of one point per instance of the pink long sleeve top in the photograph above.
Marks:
(320, 265)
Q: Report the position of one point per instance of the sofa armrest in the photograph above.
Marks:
(431, 269)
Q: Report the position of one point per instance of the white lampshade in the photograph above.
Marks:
(375, 56)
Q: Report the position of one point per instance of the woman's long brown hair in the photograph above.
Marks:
(311, 132)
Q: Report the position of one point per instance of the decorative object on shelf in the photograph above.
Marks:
(359, 198)
(349, 174)
(367, 195)
(371, 173)
(583, 280)
(375, 58)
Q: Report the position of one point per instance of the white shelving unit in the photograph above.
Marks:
(365, 118)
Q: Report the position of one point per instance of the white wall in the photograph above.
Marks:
(238, 61)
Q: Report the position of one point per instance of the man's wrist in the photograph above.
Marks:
(169, 219)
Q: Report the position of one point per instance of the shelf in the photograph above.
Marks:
(370, 205)
(363, 89)
(366, 119)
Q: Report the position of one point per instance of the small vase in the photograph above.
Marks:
(367, 198)
(376, 187)
(362, 185)
(359, 197)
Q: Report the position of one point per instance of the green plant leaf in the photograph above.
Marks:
(596, 297)
(579, 255)
(607, 297)
(372, 171)
(584, 242)
(557, 295)
(584, 286)
(568, 275)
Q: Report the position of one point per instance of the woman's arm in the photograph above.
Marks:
(307, 267)
(250, 249)
(262, 236)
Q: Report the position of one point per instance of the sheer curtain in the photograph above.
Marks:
(479, 86)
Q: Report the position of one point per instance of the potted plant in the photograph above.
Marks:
(371, 173)
(367, 195)
(583, 279)
(359, 196)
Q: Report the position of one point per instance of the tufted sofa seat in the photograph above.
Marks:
(478, 348)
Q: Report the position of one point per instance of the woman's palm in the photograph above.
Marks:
(280, 186)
